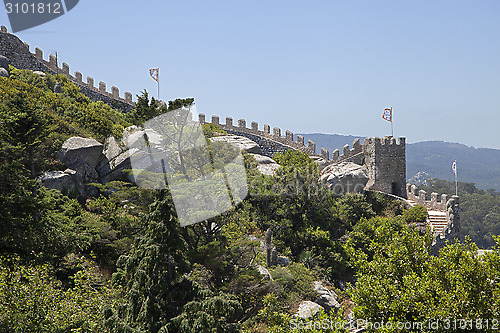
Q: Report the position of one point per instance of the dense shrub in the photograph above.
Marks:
(415, 214)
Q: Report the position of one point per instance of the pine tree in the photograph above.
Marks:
(23, 128)
(152, 272)
(208, 313)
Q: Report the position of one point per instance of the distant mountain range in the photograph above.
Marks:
(480, 166)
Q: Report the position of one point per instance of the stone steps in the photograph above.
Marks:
(438, 221)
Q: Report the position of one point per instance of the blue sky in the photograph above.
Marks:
(307, 66)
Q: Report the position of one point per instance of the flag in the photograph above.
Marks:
(387, 114)
(154, 72)
(454, 167)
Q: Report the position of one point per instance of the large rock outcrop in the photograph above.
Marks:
(326, 300)
(308, 309)
(81, 156)
(77, 149)
(264, 272)
(132, 135)
(112, 149)
(266, 165)
(118, 157)
(239, 142)
(326, 297)
(59, 180)
(91, 161)
(345, 177)
(124, 162)
(4, 72)
(320, 161)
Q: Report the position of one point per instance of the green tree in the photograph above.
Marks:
(403, 282)
(32, 300)
(208, 313)
(103, 121)
(180, 103)
(24, 226)
(293, 158)
(303, 213)
(23, 128)
(145, 109)
(352, 208)
(415, 214)
(151, 273)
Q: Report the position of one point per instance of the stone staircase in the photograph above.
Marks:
(438, 222)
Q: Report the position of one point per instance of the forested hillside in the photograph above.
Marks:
(119, 261)
(480, 166)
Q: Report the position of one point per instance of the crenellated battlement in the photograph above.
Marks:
(20, 56)
(384, 158)
(276, 134)
(436, 202)
(349, 154)
(355, 154)
(289, 139)
(386, 141)
(77, 78)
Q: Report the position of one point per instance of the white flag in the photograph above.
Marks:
(454, 167)
(388, 114)
(155, 73)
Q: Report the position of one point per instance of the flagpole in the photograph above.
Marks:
(158, 83)
(456, 183)
(392, 123)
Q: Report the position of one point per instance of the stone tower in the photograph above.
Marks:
(386, 163)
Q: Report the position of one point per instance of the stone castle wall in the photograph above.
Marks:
(274, 141)
(19, 56)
